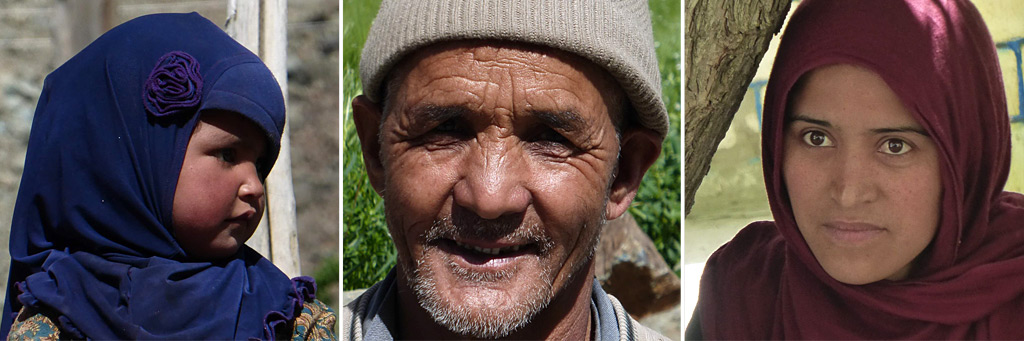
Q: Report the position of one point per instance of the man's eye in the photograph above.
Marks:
(447, 127)
(227, 155)
(553, 137)
(895, 147)
(816, 138)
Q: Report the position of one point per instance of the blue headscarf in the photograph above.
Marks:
(92, 240)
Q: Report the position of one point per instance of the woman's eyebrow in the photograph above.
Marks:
(887, 130)
(798, 117)
(904, 129)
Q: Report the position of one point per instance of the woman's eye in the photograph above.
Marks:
(895, 147)
(227, 155)
(817, 139)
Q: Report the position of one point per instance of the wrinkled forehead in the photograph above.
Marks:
(536, 73)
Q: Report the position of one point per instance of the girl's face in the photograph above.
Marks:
(862, 175)
(219, 199)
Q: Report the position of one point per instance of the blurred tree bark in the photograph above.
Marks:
(725, 41)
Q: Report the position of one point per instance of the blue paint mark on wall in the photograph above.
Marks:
(1014, 45)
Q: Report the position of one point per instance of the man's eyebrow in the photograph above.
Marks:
(438, 113)
(566, 120)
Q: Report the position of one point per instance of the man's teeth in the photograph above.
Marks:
(490, 251)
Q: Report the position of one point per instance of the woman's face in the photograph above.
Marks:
(862, 175)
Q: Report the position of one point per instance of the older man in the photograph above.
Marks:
(502, 135)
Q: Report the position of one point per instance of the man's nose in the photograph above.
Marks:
(854, 179)
(493, 181)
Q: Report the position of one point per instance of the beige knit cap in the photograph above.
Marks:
(613, 34)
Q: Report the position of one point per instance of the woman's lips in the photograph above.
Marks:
(852, 232)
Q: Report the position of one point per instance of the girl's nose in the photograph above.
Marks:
(252, 186)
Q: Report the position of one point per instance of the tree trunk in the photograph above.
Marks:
(725, 41)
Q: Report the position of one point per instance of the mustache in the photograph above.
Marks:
(514, 229)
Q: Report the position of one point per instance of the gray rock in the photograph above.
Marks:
(630, 268)
(665, 322)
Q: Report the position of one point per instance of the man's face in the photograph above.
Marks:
(497, 164)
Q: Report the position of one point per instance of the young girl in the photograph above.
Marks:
(886, 147)
(142, 181)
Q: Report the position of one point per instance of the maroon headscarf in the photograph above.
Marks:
(938, 57)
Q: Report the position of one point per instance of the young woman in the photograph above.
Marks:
(886, 147)
(143, 179)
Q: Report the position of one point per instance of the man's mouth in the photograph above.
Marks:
(490, 251)
(484, 253)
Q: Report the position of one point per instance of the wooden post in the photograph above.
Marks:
(243, 24)
(284, 240)
(77, 23)
(260, 26)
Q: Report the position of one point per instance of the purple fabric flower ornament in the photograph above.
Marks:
(174, 86)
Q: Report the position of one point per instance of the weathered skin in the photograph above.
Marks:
(500, 145)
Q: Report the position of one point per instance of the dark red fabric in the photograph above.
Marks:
(939, 58)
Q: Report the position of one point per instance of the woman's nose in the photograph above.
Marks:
(855, 180)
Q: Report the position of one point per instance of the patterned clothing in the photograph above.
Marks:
(316, 322)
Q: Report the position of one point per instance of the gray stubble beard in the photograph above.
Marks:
(489, 322)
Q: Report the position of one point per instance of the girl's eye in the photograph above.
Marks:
(895, 147)
(261, 169)
(817, 139)
(227, 155)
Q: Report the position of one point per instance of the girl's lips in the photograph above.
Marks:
(244, 219)
(852, 232)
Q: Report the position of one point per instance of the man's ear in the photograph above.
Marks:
(639, 149)
(367, 115)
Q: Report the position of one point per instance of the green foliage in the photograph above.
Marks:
(656, 207)
(325, 275)
(368, 251)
